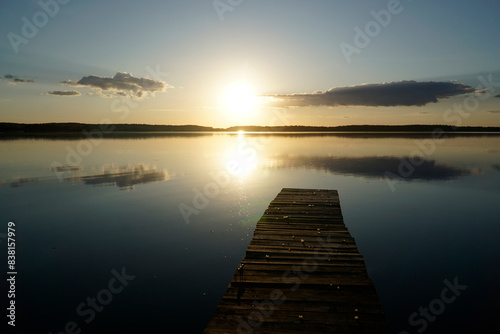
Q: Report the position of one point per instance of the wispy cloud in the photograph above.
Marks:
(15, 80)
(64, 93)
(121, 84)
(387, 94)
(494, 111)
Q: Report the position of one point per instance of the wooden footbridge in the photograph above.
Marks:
(302, 273)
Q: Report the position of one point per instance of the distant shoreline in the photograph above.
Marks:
(57, 129)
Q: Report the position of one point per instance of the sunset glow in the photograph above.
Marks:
(237, 63)
(240, 99)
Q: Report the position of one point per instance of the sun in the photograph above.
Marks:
(240, 98)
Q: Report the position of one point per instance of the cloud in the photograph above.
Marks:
(494, 111)
(15, 80)
(498, 95)
(64, 93)
(387, 94)
(122, 84)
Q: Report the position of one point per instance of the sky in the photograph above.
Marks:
(251, 62)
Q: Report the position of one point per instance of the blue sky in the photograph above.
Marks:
(271, 48)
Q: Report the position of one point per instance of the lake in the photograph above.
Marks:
(142, 234)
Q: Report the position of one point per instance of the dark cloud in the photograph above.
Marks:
(17, 80)
(14, 80)
(497, 167)
(122, 84)
(494, 111)
(497, 95)
(403, 93)
(372, 167)
(65, 93)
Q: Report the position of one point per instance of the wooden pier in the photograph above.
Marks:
(302, 273)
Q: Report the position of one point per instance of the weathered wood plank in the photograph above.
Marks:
(302, 273)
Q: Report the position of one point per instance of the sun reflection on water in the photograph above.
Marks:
(241, 159)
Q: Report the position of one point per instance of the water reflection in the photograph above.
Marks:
(67, 168)
(19, 181)
(241, 158)
(124, 177)
(412, 238)
(374, 167)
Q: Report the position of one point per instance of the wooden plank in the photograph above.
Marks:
(302, 273)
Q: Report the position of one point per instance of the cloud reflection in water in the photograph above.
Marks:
(124, 177)
(374, 167)
(19, 181)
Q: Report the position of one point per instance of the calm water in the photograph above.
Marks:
(82, 219)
